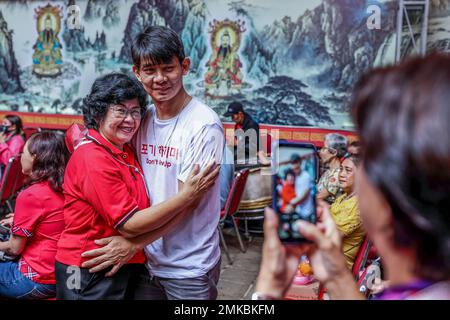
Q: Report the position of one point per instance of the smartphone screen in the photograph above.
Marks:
(295, 168)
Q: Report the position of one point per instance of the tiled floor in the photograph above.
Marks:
(237, 280)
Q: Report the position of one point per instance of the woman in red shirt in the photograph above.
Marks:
(12, 138)
(38, 221)
(105, 194)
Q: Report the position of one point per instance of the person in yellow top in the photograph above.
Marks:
(345, 211)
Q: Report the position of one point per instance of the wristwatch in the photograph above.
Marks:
(262, 296)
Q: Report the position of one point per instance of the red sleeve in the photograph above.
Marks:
(11, 148)
(106, 191)
(27, 214)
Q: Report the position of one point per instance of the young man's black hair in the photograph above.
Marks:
(156, 45)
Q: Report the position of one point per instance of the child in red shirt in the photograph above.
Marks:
(38, 221)
(288, 190)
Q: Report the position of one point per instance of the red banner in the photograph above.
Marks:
(297, 134)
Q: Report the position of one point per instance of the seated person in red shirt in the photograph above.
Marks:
(105, 195)
(12, 138)
(288, 190)
(37, 222)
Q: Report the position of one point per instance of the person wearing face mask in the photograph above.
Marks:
(335, 147)
(12, 138)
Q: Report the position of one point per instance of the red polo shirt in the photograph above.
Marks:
(39, 217)
(103, 187)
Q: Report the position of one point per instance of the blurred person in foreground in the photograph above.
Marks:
(403, 187)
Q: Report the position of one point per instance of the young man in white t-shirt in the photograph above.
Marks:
(177, 132)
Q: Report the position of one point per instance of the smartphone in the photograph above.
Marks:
(294, 178)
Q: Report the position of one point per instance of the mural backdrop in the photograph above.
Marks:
(289, 62)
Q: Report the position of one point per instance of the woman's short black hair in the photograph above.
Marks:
(157, 45)
(51, 156)
(403, 117)
(15, 120)
(353, 158)
(110, 89)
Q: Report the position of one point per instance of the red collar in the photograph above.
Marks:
(98, 138)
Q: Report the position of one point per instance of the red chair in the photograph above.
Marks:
(361, 258)
(12, 181)
(29, 131)
(231, 206)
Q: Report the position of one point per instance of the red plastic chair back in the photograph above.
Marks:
(29, 131)
(75, 134)
(361, 257)
(12, 180)
(236, 191)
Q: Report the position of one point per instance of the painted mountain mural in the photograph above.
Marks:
(289, 62)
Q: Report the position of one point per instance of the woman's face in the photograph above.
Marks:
(27, 160)
(346, 175)
(121, 122)
(290, 179)
(325, 153)
(8, 124)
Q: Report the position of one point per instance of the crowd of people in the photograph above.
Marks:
(400, 193)
(127, 205)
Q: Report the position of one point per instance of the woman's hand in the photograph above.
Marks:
(8, 221)
(2, 137)
(279, 263)
(198, 183)
(327, 258)
(115, 251)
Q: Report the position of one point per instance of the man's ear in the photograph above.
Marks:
(185, 65)
(136, 72)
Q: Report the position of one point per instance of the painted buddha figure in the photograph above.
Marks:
(47, 59)
(224, 65)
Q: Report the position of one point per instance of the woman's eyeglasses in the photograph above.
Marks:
(122, 113)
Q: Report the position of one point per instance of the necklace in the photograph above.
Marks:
(185, 103)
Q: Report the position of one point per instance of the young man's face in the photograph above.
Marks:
(162, 81)
(238, 118)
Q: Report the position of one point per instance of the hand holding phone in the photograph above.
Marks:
(294, 187)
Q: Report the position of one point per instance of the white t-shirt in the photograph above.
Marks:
(303, 183)
(167, 151)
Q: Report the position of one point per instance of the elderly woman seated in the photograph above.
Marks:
(335, 147)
